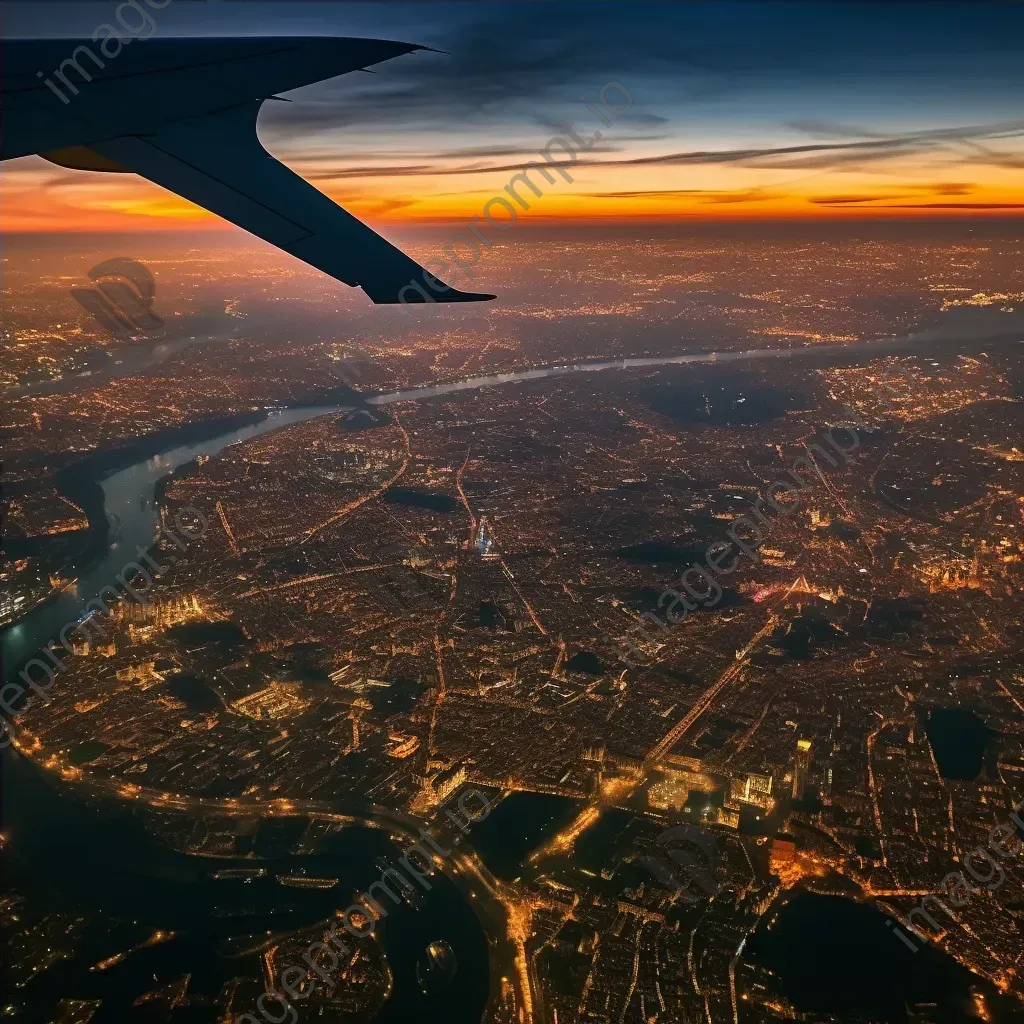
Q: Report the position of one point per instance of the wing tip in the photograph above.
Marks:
(387, 291)
(451, 295)
(457, 296)
(412, 47)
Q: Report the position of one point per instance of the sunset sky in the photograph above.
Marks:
(746, 110)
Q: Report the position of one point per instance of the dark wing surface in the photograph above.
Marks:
(182, 113)
(218, 162)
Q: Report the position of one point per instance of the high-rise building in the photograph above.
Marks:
(483, 541)
(801, 768)
(826, 787)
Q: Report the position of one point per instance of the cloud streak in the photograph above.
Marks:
(811, 156)
(953, 206)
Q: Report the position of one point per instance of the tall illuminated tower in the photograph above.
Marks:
(801, 768)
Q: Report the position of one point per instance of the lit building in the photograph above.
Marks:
(754, 789)
(278, 700)
(669, 793)
(142, 672)
(801, 768)
(729, 816)
(401, 745)
(826, 788)
(483, 542)
(438, 787)
(783, 854)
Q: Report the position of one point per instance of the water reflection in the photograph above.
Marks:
(128, 502)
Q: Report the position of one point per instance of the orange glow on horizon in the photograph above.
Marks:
(36, 197)
(33, 222)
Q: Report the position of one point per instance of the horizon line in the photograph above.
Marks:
(204, 225)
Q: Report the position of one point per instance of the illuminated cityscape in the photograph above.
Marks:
(378, 616)
(646, 647)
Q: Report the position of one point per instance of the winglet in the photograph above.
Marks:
(410, 292)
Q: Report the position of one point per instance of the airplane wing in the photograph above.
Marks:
(182, 113)
(218, 162)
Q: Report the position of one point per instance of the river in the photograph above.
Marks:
(128, 498)
(94, 860)
(95, 857)
(128, 493)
